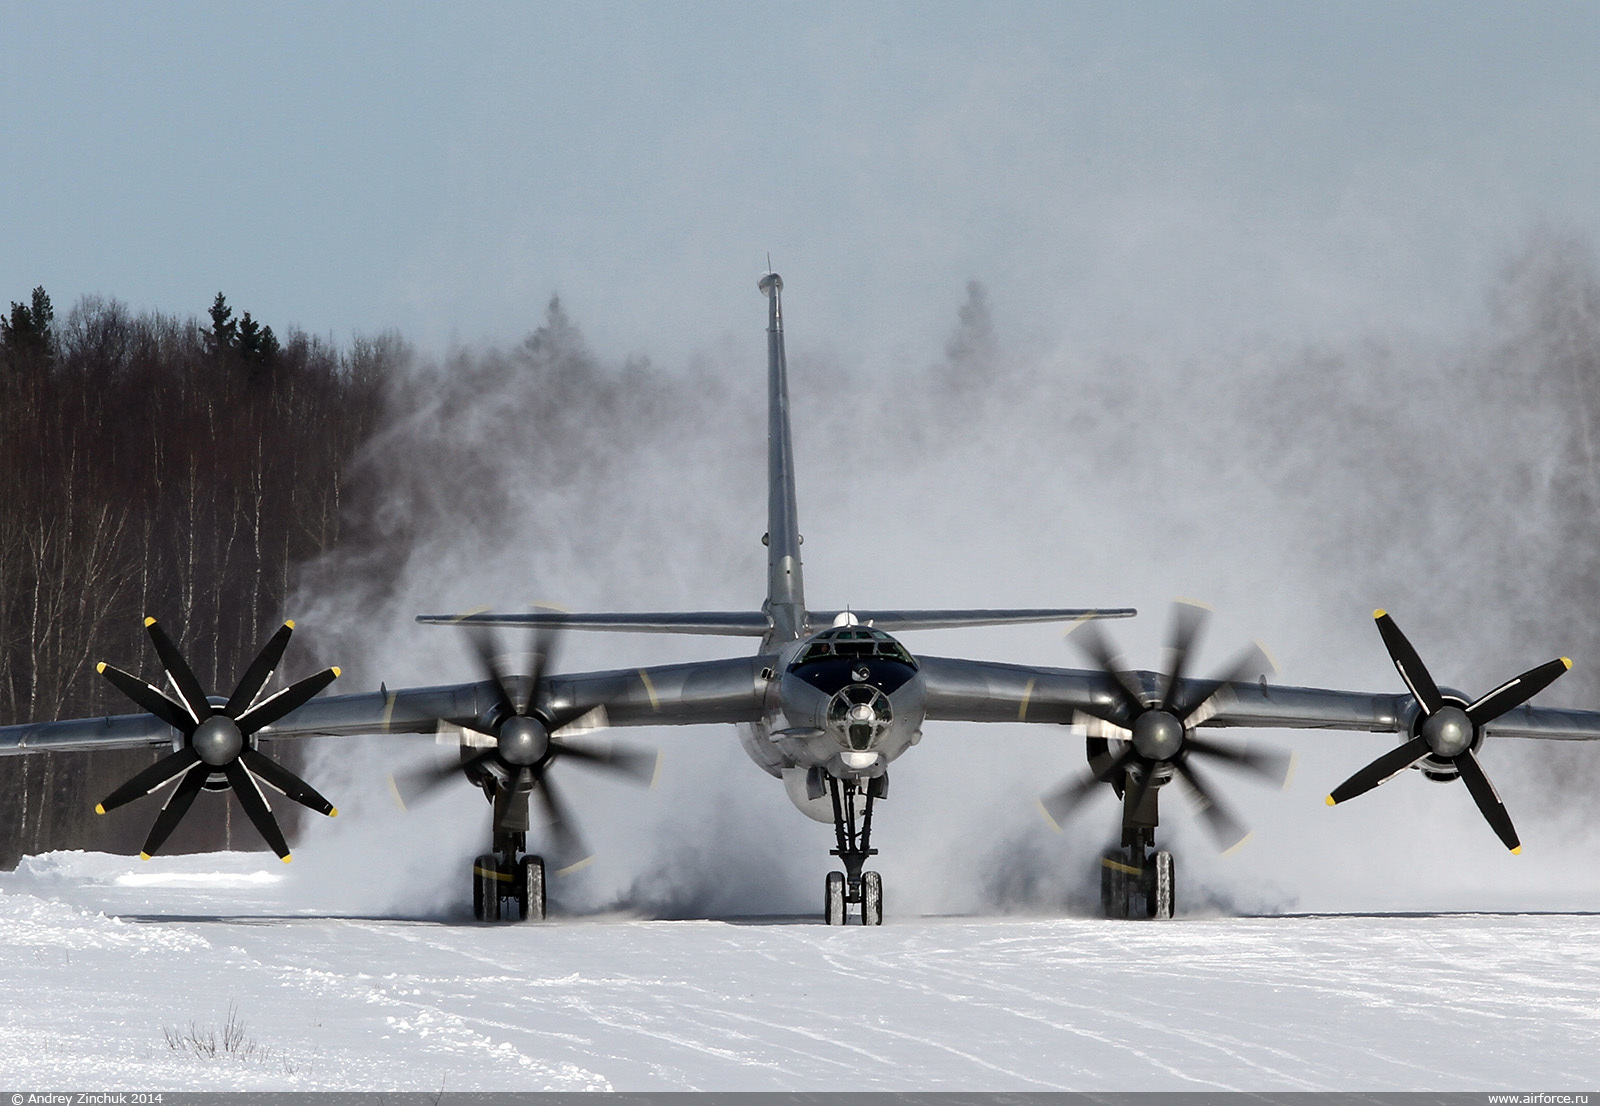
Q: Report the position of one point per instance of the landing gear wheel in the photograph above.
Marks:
(1114, 885)
(487, 879)
(833, 900)
(1159, 885)
(530, 889)
(871, 899)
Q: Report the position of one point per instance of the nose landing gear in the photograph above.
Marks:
(853, 828)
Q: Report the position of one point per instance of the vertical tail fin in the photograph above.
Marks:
(786, 603)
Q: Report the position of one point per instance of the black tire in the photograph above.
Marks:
(1161, 886)
(530, 889)
(1114, 885)
(833, 899)
(871, 899)
(487, 882)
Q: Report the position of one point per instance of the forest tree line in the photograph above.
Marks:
(156, 466)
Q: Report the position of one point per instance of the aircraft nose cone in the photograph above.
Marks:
(218, 740)
(523, 740)
(1449, 731)
(1157, 735)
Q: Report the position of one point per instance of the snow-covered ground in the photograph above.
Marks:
(119, 974)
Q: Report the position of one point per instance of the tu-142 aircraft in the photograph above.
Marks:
(827, 703)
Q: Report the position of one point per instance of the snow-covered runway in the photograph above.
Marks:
(106, 959)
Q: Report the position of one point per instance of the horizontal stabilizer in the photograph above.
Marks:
(943, 620)
(724, 623)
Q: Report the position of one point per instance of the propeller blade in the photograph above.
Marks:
(1409, 665)
(544, 652)
(1271, 763)
(179, 672)
(636, 764)
(413, 786)
(511, 803)
(255, 806)
(1517, 691)
(1206, 697)
(482, 643)
(1097, 647)
(177, 805)
(590, 721)
(1488, 799)
(1391, 763)
(1060, 803)
(149, 697)
(260, 671)
(1227, 830)
(291, 698)
(569, 844)
(1095, 726)
(1188, 619)
(291, 785)
(162, 772)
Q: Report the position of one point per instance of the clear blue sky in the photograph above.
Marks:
(1105, 168)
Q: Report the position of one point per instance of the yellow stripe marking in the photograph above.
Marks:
(650, 690)
(337, 671)
(101, 668)
(1379, 613)
(580, 865)
(394, 789)
(99, 809)
(1288, 777)
(1076, 622)
(1517, 851)
(148, 621)
(289, 622)
(1241, 843)
(286, 859)
(1027, 693)
(144, 856)
(333, 812)
(1568, 662)
(1118, 866)
(655, 777)
(468, 614)
(1045, 811)
(388, 719)
(1331, 801)
(491, 873)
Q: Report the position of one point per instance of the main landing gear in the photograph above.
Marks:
(852, 825)
(506, 884)
(1138, 880)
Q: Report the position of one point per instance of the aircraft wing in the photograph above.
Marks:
(981, 691)
(667, 695)
(758, 623)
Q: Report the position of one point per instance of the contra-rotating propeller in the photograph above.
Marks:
(528, 739)
(1448, 728)
(217, 740)
(1159, 729)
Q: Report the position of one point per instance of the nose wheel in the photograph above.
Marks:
(852, 823)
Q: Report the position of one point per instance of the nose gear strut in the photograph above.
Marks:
(852, 826)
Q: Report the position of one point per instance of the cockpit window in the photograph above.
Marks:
(853, 641)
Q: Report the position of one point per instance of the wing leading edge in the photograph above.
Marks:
(758, 624)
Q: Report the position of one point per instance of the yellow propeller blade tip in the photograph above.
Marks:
(1331, 802)
(1568, 662)
(1379, 613)
(286, 859)
(337, 672)
(101, 668)
(99, 808)
(1044, 812)
(1517, 851)
(289, 622)
(144, 856)
(148, 621)
(334, 813)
